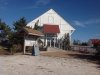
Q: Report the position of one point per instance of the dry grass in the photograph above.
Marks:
(3, 51)
(72, 54)
(62, 54)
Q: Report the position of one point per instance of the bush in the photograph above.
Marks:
(98, 50)
(16, 48)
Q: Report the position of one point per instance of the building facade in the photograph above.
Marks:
(53, 18)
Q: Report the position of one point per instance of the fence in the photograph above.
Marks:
(86, 49)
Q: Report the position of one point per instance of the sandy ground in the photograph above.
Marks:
(43, 65)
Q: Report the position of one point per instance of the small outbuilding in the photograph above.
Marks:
(31, 37)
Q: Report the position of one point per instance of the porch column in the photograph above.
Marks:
(46, 40)
(50, 42)
(59, 44)
(70, 39)
(54, 41)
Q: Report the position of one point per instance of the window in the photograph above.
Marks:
(51, 19)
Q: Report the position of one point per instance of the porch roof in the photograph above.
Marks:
(54, 29)
(31, 31)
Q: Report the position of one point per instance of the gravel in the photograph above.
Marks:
(42, 65)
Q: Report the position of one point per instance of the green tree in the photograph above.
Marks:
(77, 42)
(66, 42)
(36, 27)
(18, 25)
(16, 39)
(6, 30)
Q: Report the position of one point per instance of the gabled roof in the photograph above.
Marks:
(54, 29)
(31, 31)
(52, 15)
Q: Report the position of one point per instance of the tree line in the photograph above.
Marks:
(10, 39)
(8, 35)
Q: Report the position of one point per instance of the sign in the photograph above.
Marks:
(30, 42)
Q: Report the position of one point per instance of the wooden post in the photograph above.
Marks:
(24, 49)
(24, 45)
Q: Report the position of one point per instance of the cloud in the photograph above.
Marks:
(40, 3)
(87, 22)
(78, 23)
(92, 21)
(3, 4)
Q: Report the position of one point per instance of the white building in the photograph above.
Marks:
(52, 18)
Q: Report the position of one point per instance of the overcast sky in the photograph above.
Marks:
(83, 15)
